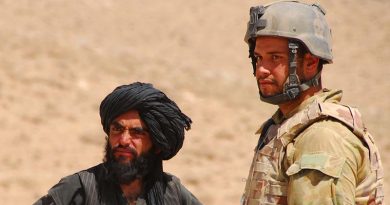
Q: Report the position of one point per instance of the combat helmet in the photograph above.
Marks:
(302, 24)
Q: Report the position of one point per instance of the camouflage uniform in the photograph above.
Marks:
(320, 154)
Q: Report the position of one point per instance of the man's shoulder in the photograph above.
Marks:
(67, 182)
(67, 188)
(176, 187)
(74, 178)
(327, 129)
(92, 172)
(171, 179)
(325, 146)
(72, 185)
(329, 117)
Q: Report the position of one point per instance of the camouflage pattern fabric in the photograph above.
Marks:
(324, 155)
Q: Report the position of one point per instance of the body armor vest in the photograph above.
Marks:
(267, 181)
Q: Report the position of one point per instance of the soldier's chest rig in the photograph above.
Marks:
(267, 181)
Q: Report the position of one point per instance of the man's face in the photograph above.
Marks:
(128, 137)
(129, 154)
(272, 64)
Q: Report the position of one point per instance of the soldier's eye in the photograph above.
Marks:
(276, 57)
(258, 58)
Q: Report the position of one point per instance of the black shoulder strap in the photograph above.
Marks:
(262, 138)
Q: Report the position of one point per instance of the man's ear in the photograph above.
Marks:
(310, 65)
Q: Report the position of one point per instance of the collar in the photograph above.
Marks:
(324, 95)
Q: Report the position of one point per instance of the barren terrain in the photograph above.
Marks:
(59, 59)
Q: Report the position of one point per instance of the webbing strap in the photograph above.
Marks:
(276, 190)
(262, 137)
(315, 81)
(261, 167)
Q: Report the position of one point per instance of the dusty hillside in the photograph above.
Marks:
(58, 59)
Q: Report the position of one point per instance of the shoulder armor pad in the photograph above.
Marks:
(350, 116)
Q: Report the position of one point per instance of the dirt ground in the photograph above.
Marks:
(59, 59)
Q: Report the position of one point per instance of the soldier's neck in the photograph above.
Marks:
(289, 106)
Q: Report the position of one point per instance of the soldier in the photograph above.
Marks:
(143, 127)
(313, 150)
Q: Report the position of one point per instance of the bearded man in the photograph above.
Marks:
(143, 127)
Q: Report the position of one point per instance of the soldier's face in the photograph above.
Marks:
(128, 137)
(272, 64)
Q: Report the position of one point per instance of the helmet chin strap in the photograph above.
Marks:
(292, 87)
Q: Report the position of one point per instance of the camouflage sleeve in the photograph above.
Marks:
(326, 159)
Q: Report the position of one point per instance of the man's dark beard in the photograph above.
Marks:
(124, 173)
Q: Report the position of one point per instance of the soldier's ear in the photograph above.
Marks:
(310, 64)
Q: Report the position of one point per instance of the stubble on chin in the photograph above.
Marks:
(269, 90)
